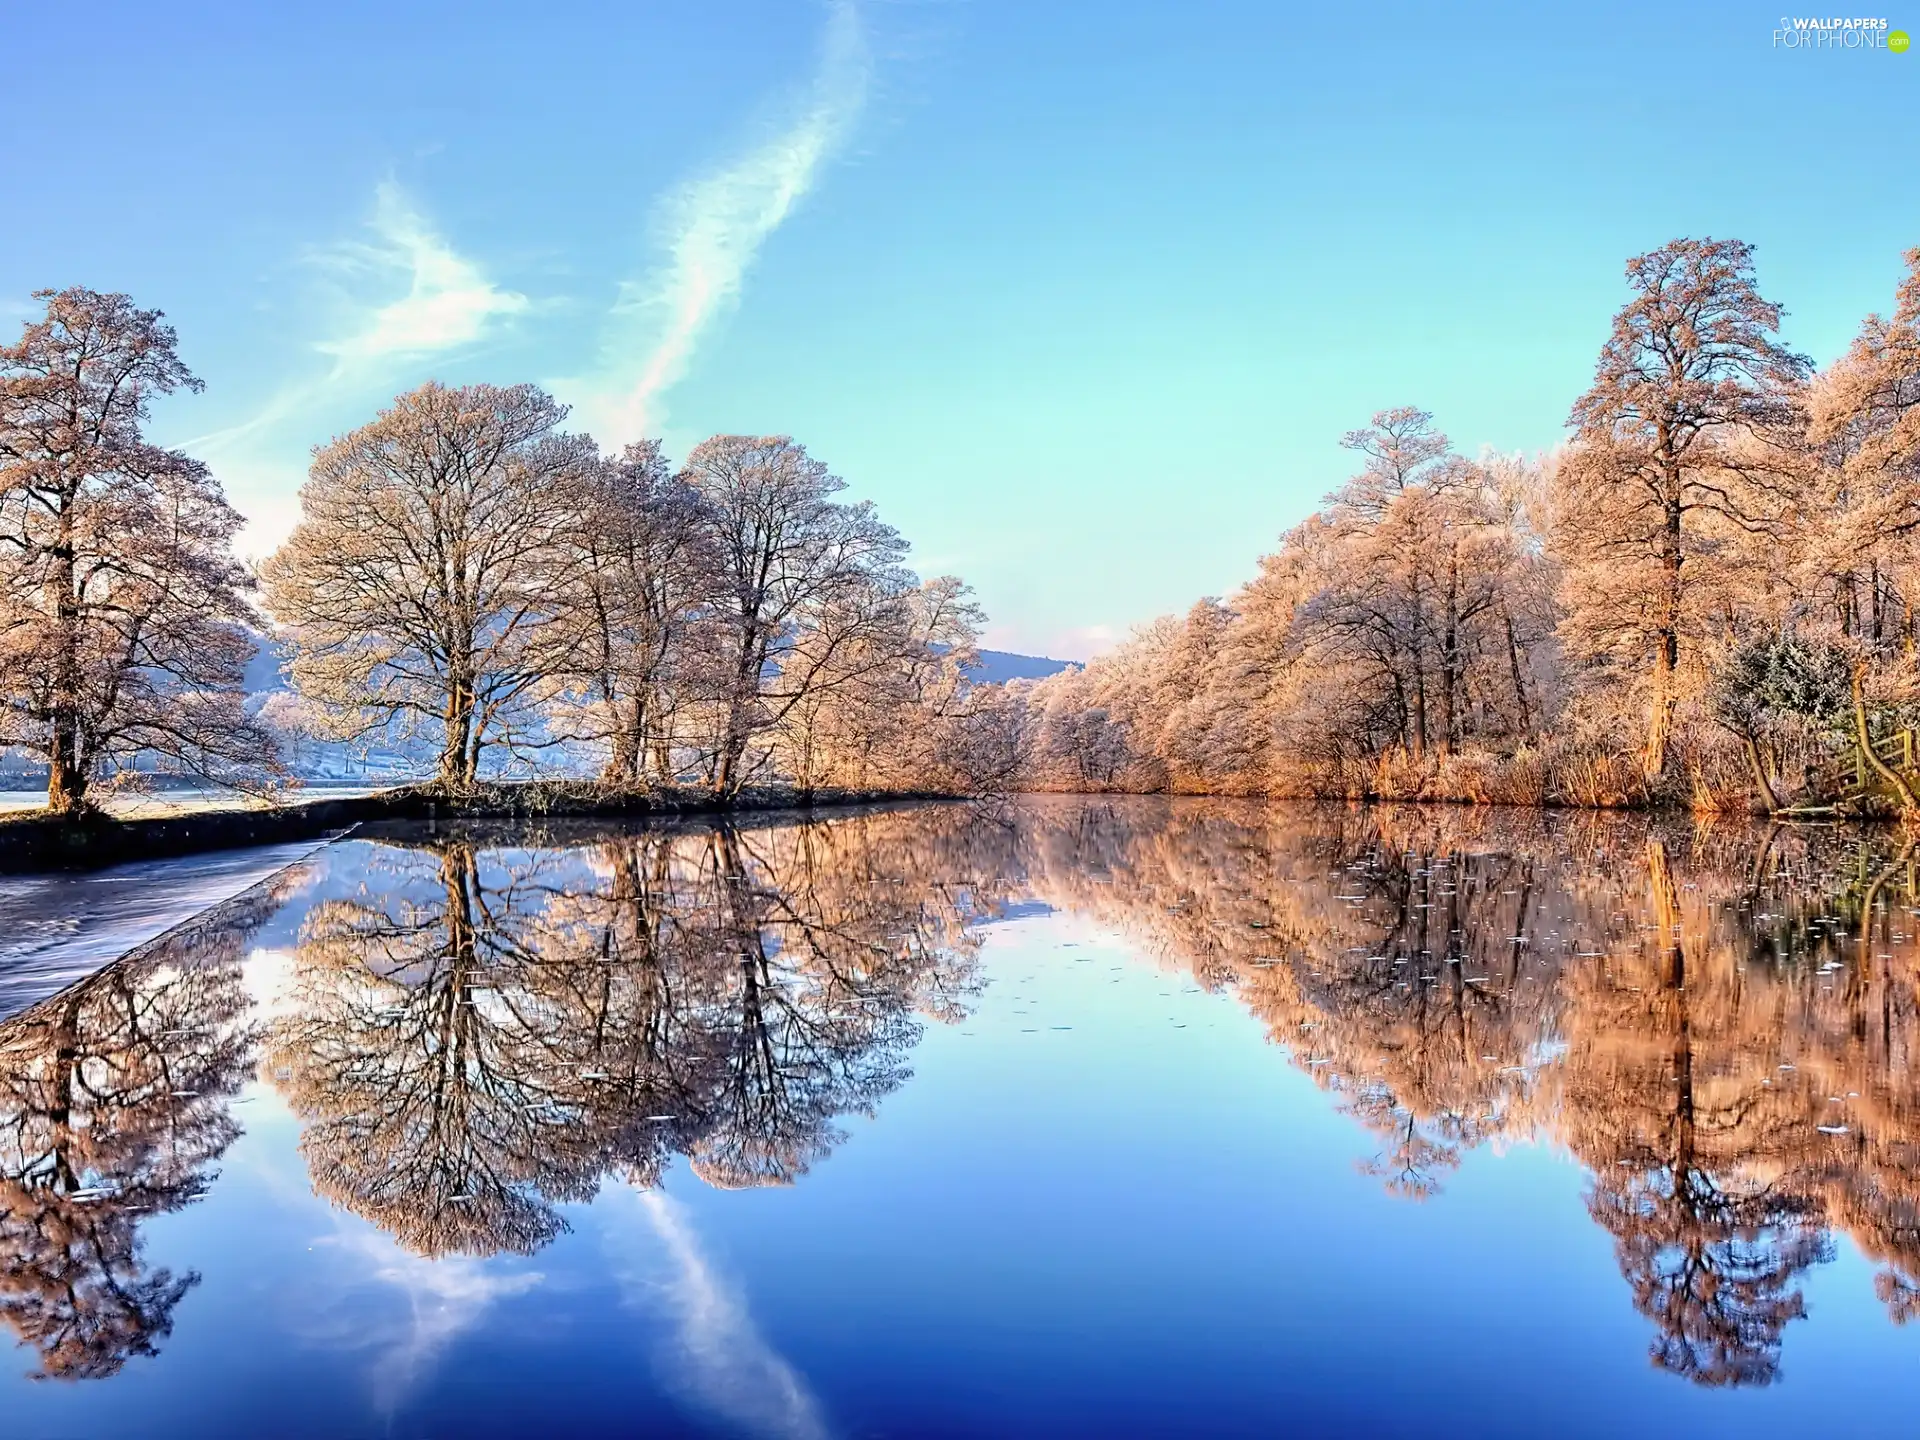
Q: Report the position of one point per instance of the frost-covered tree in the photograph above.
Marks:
(793, 561)
(423, 587)
(1410, 618)
(123, 613)
(1677, 460)
(642, 596)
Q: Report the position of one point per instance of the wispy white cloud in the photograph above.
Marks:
(448, 305)
(407, 296)
(400, 1311)
(718, 1361)
(404, 296)
(710, 229)
(439, 1301)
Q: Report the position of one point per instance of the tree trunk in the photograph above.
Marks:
(1450, 660)
(1519, 683)
(459, 875)
(67, 770)
(66, 781)
(622, 767)
(1419, 676)
(1758, 763)
(457, 757)
(1666, 660)
(1660, 723)
(1666, 910)
(627, 746)
(66, 1068)
(803, 778)
(1863, 736)
(746, 689)
(728, 764)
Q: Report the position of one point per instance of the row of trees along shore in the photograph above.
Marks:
(466, 576)
(1705, 595)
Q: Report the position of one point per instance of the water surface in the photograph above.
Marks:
(1071, 1117)
(60, 926)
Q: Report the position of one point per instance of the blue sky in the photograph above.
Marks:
(1082, 295)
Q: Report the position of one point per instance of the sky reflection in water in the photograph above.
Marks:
(1149, 1117)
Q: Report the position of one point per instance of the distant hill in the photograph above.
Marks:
(998, 666)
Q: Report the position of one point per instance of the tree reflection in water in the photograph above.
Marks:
(484, 1033)
(1718, 1023)
(114, 1105)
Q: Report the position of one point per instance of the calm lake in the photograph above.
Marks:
(1065, 1117)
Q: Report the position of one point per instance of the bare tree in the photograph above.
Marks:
(1871, 398)
(643, 601)
(1854, 544)
(870, 689)
(1396, 634)
(793, 559)
(422, 586)
(1672, 459)
(122, 610)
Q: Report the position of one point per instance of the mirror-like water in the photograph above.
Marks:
(1073, 1117)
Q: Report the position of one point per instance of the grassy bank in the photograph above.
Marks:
(41, 841)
